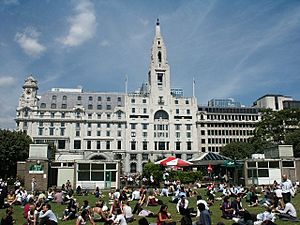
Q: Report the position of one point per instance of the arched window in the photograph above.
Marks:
(161, 114)
(64, 97)
(90, 98)
(159, 57)
(133, 168)
(53, 106)
(43, 105)
(98, 157)
(53, 97)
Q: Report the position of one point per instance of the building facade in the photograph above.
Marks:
(269, 101)
(134, 127)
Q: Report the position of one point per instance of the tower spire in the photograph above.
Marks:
(157, 27)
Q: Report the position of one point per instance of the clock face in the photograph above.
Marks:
(28, 91)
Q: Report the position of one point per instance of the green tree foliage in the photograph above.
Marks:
(156, 170)
(238, 150)
(293, 138)
(14, 146)
(186, 177)
(276, 124)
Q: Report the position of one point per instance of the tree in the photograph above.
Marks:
(154, 169)
(293, 138)
(238, 150)
(14, 146)
(275, 125)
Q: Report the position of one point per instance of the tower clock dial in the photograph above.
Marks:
(28, 91)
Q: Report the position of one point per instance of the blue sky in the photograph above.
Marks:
(241, 49)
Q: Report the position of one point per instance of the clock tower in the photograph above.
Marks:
(29, 95)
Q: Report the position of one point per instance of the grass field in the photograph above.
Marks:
(216, 212)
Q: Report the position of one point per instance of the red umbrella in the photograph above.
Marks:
(164, 161)
(179, 163)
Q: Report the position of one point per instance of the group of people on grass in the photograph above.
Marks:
(275, 199)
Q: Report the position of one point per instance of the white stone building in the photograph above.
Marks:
(131, 127)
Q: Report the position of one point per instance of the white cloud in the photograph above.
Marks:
(6, 81)
(29, 42)
(104, 43)
(83, 24)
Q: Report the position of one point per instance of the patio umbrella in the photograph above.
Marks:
(178, 162)
(164, 161)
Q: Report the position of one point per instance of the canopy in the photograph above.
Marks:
(231, 164)
(164, 161)
(178, 162)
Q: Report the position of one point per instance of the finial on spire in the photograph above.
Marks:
(157, 22)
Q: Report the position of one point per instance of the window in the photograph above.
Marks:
(262, 164)
(133, 126)
(177, 111)
(263, 173)
(89, 125)
(108, 115)
(99, 99)
(189, 145)
(144, 110)
(98, 133)
(53, 97)
(51, 131)
(43, 105)
(176, 102)
(188, 134)
(119, 133)
(133, 110)
(273, 164)
(177, 145)
(99, 107)
(145, 134)
(62, 131)
(107, 133)
(77, 133)
(108, 99)
(40, 131)
(90, 106)
(177, 126)
(88, 144)
(77, 144)
(53, 106)
(133, 145)
(61, 144)
(98, 144)
(144, 101)
(188, 111)
(145, 145)
(133, 168)
(251, 164)
(63, 106)
(287, 163)
(119, 99)
(144, 126)
(108, 107)
(132, 100)
(64, 97)
(188, 126)
(90, 98)
(89, 133)
(90, 116)
(177, 134)
(108, 125)
(145, 156)
(107, 144)
(133, 157)
(187, 102)
(119, 145)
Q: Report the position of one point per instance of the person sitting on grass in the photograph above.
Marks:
(127, 211)
(98, 214)
(183, 203)
(152, 200)
(266, 216)
(252, 198)
(288, 211)
(47, 217)
(120, 219)
(70, 211)
(227, 210)
(164, 217)
(84, 218)
(32, 215)
(186, 217)
(8, 219)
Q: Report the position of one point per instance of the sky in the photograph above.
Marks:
(241, 49)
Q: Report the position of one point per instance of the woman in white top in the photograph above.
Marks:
(120, 219)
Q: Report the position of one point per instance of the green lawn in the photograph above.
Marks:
(216, 212)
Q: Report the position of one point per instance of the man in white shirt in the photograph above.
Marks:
(200, 200)
(135, 195)
(287, 188)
